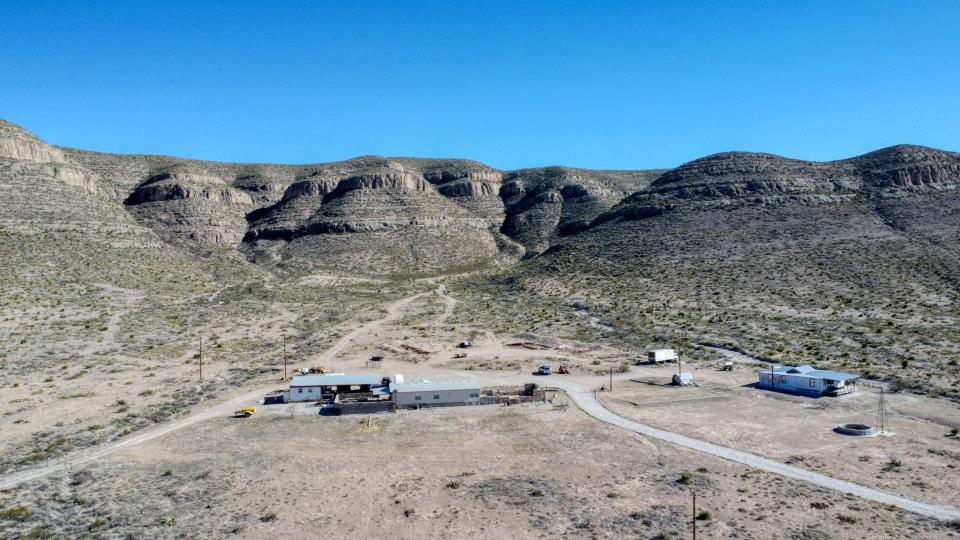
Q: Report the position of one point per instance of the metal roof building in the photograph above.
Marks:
(336, 379)
(432, 393)
(316, 387)
(808, 380)
(426, 386)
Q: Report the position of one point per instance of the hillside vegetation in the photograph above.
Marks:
(852, 264)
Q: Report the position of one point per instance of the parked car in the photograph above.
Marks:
(330, 409)
(544, 369)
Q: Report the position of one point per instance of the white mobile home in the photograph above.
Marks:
(662, 355)
(808, 380)
(432, 393)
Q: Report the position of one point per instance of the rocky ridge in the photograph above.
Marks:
(376, 214)
(737, 178)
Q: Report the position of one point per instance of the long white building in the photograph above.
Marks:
(431, 393)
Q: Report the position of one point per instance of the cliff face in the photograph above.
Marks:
(736, 179)
(18, 145)
(545, 204)
(378, 214)
(368, 213)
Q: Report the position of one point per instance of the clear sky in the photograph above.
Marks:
(514, 84)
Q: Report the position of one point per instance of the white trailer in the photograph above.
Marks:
(434, 393)
(662, 355)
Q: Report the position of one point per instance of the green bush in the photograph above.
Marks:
(16, 513)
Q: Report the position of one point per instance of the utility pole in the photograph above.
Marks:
(284, 356)
(679, 360)
(694, 514)
(201, 359)
(611, 378)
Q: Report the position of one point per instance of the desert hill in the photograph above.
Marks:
(853, 263)
(369, 214)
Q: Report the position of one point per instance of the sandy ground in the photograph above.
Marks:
(517, 472)
(726, 410)
(507, 472)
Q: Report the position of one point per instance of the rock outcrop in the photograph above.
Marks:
(17, 144)
(738, 178)
(545, 204)
(429, 215)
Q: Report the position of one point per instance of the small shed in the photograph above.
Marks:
(662, 355)
(682, 379)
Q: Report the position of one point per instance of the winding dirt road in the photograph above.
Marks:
(394, 311)
(588, 402)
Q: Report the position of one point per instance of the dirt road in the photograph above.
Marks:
(225, 408)
(222, 409)
(393, 312)
(588, 402)
(449, 303)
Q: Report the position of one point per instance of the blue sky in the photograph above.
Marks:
(513, 84)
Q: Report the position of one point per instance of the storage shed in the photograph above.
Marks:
(807, 380)
(433, 393)
(662, 355)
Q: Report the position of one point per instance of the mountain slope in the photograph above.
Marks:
(405, 216)
(852, 264)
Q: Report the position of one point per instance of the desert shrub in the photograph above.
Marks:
(453, 485)
(704, 515)
(536, 493)
(685, 478)
(16, 513)
(270, 517)
(893, 465)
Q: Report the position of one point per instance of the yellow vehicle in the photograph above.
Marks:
(245, 412)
